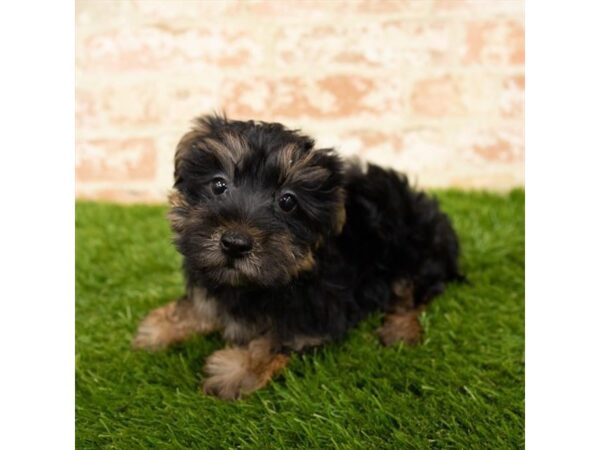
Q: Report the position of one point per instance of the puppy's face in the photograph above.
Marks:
(252, 201)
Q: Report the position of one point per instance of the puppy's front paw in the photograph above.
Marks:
(157, 330)
(229, 374)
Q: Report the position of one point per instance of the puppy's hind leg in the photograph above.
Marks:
(177, 321)
(402, 322)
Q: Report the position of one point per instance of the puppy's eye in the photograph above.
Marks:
(218, 186)
(287, 202)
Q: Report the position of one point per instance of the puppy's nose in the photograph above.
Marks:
(236, 243)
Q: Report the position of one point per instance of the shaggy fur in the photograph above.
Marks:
(285, 246)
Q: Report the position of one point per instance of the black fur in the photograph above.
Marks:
(314, 277)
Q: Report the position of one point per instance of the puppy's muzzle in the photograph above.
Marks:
(235, 243)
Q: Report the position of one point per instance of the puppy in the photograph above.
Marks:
(286, 247)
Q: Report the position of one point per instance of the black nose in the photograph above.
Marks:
(236, 243)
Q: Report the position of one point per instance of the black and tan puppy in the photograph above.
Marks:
(287, 247)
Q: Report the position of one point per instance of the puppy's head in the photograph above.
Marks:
(252, 201)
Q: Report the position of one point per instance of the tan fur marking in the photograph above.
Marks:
(175, 322)
(402, 324)
(313, 176)
(256, 233)
(176, 199)
(179, 211)
(403, 327)
(229, 151)
(299, 343)
(237, 371)
(340, 219)
(298, 169)
(305, 264)
(296, 261)
(285, 159)
(223, 153)
(237, 146)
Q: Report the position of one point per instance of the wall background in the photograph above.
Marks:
(434, 88)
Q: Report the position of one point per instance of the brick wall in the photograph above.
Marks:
(431, 87)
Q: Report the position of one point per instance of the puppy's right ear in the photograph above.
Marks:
(202, 128)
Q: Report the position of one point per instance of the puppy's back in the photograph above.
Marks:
(393, 233)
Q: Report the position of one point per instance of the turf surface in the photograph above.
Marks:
(463, 388)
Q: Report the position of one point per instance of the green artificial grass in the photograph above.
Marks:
(463, 388)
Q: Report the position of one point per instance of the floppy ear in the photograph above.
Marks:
(339, 217)
(329, 159)
(320, 176)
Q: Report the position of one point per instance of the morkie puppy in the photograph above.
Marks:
(287, 247)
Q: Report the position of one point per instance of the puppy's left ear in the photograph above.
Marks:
(328, 159)
(340, 214)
